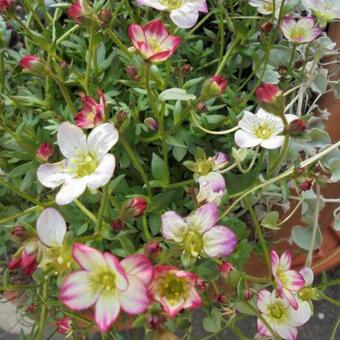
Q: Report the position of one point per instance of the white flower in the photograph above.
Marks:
(87, 163)
(212, 188)
(184, 13)
(262, 129)
(266, 7)
(324, 10)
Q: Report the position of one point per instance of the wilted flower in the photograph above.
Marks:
(64, 325)
(117, 224)
(288, 281)
(93, 113)
(300, 31)
(132, 72)
(184, 13)
(212, 187)
(213, 87)
(198, 233)
(174, 289)
(324, 10)
(280, 315)
(88, 162)
(266, 7)
(153, 41)
(107, 284)
(44, 152)
(266, 27)
(220, 160)
(262, 129)
(19, 233)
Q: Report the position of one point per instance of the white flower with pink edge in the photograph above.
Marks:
(106, 283)
(278, 313)
(153, 41)
(184, 13)
(88, 162)
(266, 7)
(300, 31)
(288, 281)
(198, 233)
(324, 10)
(174, 289)
(261, 128)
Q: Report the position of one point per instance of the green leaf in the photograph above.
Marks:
(161, 201)
(176, 94)
(270, 221)
(238, 226)
(208, 270)
(212, 323)
(179, 153)
(302, 236)
(334, 168)
(174, 142)
(159, 169)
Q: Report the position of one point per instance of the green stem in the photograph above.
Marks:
(67, 34)
(276, 166)
(102, 209)
(328, 284)
(135, 162)
(20, 214)
(43, 312)
(257, 279)
(292, 57)
(87, 212)
(2, 70)
(180, 184)
(89, 60)
(130, 10)
(44, 9)
(259, 232)
(149, 90)
(113, 36)
(34, 14)
(146, 231)
(164, 144)
(66, 96)
(331, 300)
(230, 50)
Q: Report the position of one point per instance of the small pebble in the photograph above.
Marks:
(321, 316)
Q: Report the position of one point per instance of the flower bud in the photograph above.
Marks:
(5, 5)
(44, 152)
(28, 263)
(201, 107)
(248, 294)
(298, 64)
(283, 70)
(296, 128)
(121, 117)
(155, 321)
(213, 87)
(31, 63)
(202, 284)
(105, 16)
(64, 325)
(151, 123)
(271, 99)
(134, 207)
(117, 225)
(221, 298)
(14, 263)
(266, 27)
(31, 308)
(132, 72)
(152, 249)
(225, 268)
(306, 185)
(186, 68)
(63, 64)
(220, 160)
(19, 233)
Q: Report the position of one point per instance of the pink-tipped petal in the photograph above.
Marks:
(160, 56)
(77, 292)
(135, 299)
(286, 331)
(172, 308)
(136, 34)
(156, 29)
(286, 260)
(194, 300)
(262, 329)
(291, 298)
(203, 218)
(219, 241)
(308, 275)
(88, 258)
(173, 226)
(275, 261)
(138, 265)
(106, 311)
(292, 280)
(121, 279)
(263, 300)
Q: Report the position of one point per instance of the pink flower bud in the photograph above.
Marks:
(5, 5)
(14, 263)
(201, 106)
(202, 284)
(30, 62)
(105, 16)
(132, 72)
(248, 294)
(44, 152)
(117, 225)
(64, 325)
(31, 308)
(306, 185)
(213, 87)
(19, 233)
(75, 12)
(28, 263)
(151, 123)
(225, 268)
(296, 128)
(155, 321)
(134, 207)
(221, 298)
(220, 160)
(271, 99)
(152, 249)
(186, 68)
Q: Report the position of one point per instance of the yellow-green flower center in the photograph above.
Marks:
(204, 167)
(103, 281)
(193, 243)
(154, 44)
(84, 166)
(268, 7)
(171, 4)
(263, 130)
(172, 288)
(297, 33)
(277, 310)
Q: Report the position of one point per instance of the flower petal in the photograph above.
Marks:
(173, 226)
(101, 139)
(193, 300)
(160, 56)
(76, 291)
(71, 140)
(291, 298)
(155, 29)
(106, 311)
(71, 190)
(103, 173)
(219, 241)
(286, 260)
(292, 280)
(51, 175)
(262, 329)
(275, 261)
(173, 307)
(185, 16)
(88, 258)
(135, 299)
(246, 140)
(203, 218)
(51, 227)
(152, 3)
(273, 142)
(308, 275)
(136, 35)
(138, 265)
(121, 279)
(301, 315)
(286, 331)
(263, 300)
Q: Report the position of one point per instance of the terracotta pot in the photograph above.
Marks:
(328, 256)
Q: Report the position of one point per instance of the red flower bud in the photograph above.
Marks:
(155, 321)
(283, 70)
(14, 263)
(44, 152)
(296, 128)
(134, 207)
(306, 185)
(30, 62)
(5, 5)
(248, 294)
(19, 233)
(28, 263)
(132, 72)
(271, 99)
(186, 68)
(213, 87)
(64, 325)
(221, 298)
(202, 284)
(75, 11)
(117, 225)
(266, 27)
(152, 249)
(201, 106)
(105, 16)
(225, 268)
(31, 308)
